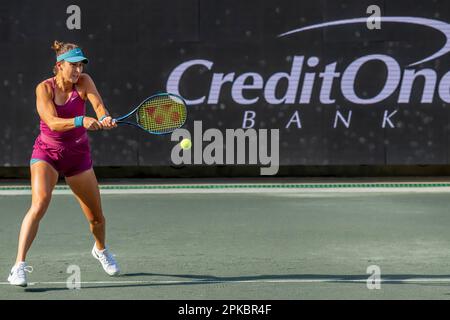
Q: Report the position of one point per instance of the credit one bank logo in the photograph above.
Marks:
(253, 84)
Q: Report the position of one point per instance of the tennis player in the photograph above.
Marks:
(62, 147)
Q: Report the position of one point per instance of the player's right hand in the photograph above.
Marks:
(108, 123)
(91, 124)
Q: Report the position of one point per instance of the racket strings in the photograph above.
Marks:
(162, 114)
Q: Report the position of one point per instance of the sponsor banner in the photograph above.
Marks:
(341, 82)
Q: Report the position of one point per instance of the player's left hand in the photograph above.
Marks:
(108, 124)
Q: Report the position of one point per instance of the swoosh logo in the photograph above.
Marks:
(440, 26)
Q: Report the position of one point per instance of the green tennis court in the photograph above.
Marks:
(241, 241)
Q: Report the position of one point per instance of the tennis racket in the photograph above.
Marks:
(161, 113)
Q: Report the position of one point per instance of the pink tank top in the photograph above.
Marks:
(74, 106)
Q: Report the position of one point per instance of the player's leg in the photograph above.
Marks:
(85, 188)
(43, 180)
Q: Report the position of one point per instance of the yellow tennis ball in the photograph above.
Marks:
(186, 144)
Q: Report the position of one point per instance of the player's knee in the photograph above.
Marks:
(39, 206)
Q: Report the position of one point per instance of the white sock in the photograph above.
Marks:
(98, 250)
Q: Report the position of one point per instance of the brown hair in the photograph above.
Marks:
(60, 48)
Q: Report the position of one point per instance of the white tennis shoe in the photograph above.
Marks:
(17, 276)
(107, 260)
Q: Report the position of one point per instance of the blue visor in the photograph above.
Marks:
(74, 55)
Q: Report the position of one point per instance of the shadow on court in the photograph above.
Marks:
(324, 278)
(38, 290)
(192, 279)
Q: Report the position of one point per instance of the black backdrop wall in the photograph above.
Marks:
(339, 92)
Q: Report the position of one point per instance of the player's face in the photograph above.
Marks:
(71, 71)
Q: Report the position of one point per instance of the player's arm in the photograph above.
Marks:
(96, 101)
(47, 112)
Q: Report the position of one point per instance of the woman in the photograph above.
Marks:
(62, 147)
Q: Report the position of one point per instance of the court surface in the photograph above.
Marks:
(240, 241)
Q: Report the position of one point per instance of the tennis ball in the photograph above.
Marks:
(186, 144)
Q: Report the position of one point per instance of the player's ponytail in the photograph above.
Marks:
(57, 46)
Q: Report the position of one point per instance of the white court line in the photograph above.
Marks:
(248, 191)
(190, 281)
